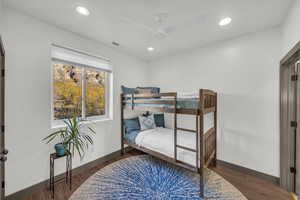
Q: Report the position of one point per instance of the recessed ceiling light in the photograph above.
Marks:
(225, 21)
(82, 10)
(150, 49)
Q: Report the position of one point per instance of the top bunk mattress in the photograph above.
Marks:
(182, 103)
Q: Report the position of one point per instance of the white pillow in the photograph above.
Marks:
(147, 122)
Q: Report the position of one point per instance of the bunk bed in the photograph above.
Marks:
(204, 146)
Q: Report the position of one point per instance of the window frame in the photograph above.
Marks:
(57, 123)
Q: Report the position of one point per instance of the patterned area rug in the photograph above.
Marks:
(145, 177)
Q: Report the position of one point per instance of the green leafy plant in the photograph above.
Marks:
(76, 136)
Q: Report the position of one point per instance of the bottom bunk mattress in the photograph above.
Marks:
(162, 140)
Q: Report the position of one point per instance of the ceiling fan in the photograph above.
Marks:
(161, 29)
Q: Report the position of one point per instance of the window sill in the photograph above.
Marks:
(60, 124)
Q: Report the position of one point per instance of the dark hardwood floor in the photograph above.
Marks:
(252, 187)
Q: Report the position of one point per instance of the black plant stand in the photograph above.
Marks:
(68, 174)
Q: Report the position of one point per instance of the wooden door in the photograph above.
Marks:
(287, 136)
(297, 128)
(290, 121)
(3, 152)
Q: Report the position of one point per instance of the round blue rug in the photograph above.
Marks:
(144, 177)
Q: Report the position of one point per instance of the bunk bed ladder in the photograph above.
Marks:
(176, 146)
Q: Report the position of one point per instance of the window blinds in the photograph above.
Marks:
(78, 57)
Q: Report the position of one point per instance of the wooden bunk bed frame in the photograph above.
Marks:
(206, 142)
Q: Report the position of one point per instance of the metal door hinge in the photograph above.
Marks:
(3, 72)
(293, 124)
(294, 77)
(296, 66)
(3, 184)
(2, 128)
(293, 170)
(3, 159)
(5, 152)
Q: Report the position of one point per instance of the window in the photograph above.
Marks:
(81, 86)
(67, 90)
(95, 93)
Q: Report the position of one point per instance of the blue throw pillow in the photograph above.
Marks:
(147, 122)
(132, 125)
(130, 137)
(159, 120)
(126, 90)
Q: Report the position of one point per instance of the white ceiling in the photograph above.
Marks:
(190, 23)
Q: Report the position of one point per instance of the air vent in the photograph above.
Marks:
(116, 44)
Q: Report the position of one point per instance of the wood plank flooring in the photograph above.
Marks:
(252, 187)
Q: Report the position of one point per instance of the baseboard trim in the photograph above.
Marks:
(269, 178)
(44, 184)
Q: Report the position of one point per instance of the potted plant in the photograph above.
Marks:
(76, 136)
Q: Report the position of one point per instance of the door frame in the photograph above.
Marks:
(288, 131)
(3, 152)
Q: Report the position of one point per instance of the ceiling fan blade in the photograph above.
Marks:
(159, 32)
(199, 20)
(140, 25)
(169, 29)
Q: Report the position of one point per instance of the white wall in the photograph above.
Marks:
(245, 72)
(1, 6)
(1, 12)
(27, 43)
(291, 28)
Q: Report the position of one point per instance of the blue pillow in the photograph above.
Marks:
(147, 122)
(159, 120)
(132, 125)
(152, 89)
(126, 90)
(130, 137)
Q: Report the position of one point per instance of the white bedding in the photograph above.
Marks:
(162, 140)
